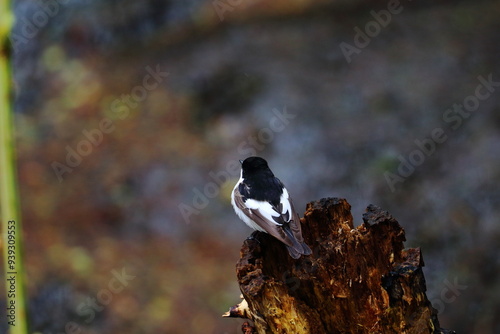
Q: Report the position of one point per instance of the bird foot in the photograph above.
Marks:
(254, 236)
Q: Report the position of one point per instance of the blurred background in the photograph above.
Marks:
(131, 117)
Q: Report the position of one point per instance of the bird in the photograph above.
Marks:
(261, 200)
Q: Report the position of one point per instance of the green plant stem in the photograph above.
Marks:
(9, 199)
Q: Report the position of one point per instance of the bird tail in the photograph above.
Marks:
(297, 248)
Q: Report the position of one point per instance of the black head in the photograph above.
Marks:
(254, 165)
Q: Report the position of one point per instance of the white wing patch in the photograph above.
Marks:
(285, 202)
(265, 209)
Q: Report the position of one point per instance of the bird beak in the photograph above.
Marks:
(241, 162)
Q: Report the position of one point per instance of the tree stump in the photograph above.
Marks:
(358, 280)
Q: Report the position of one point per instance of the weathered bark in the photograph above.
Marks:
(358, 280)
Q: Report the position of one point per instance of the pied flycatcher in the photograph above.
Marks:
(262, 202)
